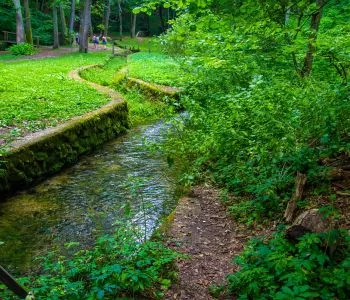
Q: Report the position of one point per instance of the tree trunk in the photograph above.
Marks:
(85, 20)
(120, 19)
(28, 26)
(19, 22)
(161, 18)
(56, 43)
(107, 14)
(133, 26)
(72, 17)
(292, 204)
(311, 48)
(63, 25)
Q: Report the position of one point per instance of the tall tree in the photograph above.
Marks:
(85, 20)
(19, 22)
(160, 10)
(311, 48)
(106, 16)
(133, 25)
(120, 14)
(56, 43)
(63, 24)
(72, 17)
(28, 25)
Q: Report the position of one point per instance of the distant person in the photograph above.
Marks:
(77, 38)
(95, 41)
(104, 42)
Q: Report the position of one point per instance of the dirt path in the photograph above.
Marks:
(202, 230)
(46, 52)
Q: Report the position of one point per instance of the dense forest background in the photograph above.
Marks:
(106, 18)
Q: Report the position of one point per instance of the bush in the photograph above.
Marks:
(22, 49)
(117, 266)
(283, 270)
(2, 46)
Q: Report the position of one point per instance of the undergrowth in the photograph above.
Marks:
(117, 266)
(22, 49)
(316, 267)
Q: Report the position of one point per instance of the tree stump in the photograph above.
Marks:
(299, 187)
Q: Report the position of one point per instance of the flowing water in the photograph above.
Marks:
(87, 199)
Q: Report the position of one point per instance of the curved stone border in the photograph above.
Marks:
(41, 154)
(151, 89)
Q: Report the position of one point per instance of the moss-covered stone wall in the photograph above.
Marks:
(41, 155)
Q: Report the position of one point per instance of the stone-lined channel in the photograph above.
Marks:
(87, 199)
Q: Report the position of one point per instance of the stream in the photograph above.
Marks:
(86, 200)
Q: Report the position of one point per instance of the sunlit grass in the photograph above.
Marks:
(35, 94)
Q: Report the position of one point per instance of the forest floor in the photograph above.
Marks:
(203, 231)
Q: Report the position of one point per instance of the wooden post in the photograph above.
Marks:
(12, 284)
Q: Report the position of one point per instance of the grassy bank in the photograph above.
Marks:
(38, 94)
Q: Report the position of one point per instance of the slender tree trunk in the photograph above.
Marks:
(72, 17)
(85, 20)
(311, 48)
(161, 18)
(56, 43)
(120, 13)
(148, 25)
(133, 27)
(28, 26)
(63, 25)
(107, 14)
(19, 22)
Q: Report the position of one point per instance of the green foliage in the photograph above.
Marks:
(253, 120)
(142, 43)
(22, 49)
(117, 266)
(279, 269)
(26, 102)
(142, 110)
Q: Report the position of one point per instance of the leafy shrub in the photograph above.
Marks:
(253, 123)
(282, 270)
(22, 49)
(117, 266)
(2, 46)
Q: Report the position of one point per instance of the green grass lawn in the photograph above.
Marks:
(35, 94)
(156, 68)
(7, 56)
(150, 44)
(141, 109)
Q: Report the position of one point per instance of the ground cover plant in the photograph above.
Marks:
(280, 269)
(156, 68)
(37, 94)
(116, 266)
(105, 73)
(141, 108)
(145, 44)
